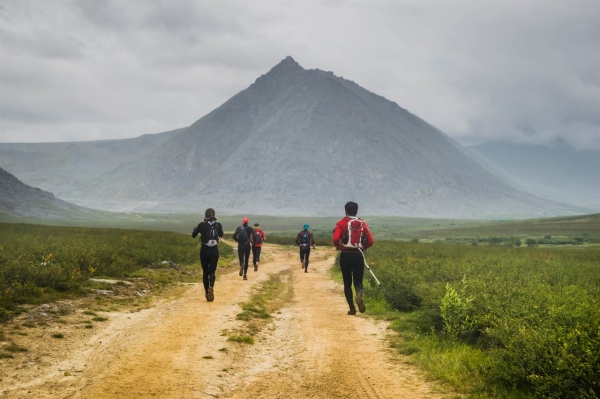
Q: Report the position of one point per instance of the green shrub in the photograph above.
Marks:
(35, 260)
(534, 314)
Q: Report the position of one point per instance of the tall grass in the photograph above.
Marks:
(521, 320)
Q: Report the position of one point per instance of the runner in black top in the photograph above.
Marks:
(243, 236)
(210, 230)
(305, 240)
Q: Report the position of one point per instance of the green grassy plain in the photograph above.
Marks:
(384, 227)
(495, 308)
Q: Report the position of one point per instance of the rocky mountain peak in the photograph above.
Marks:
(285, 68)
(288, 64)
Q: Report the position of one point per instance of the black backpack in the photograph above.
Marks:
(257, 237)
(213, 235)
(304, 237)
(242, 235)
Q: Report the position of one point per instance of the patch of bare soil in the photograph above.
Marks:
(179, 347)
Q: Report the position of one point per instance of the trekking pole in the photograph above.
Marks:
(368, 268)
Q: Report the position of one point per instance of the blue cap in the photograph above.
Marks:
(306, 227)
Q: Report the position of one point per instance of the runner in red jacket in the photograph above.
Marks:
(257, 239)
(352, 241)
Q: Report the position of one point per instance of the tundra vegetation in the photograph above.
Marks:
(494, 321)
(44, 263)
(497, 317)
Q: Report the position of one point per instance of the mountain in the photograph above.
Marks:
(303, 142)
(21, 200)
(60, 167)
(557, 170)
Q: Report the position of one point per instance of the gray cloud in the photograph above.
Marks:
(88, 69)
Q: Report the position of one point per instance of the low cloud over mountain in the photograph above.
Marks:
(304, 142)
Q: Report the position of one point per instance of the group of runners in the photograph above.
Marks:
(351, 236)
(248, 239)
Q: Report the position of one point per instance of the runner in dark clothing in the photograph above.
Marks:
(210, 230)
(352, 237)
(258, 236)
(243, 236)
(305, 240)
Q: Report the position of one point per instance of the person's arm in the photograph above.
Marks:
(369, 236)
(297, 240)
(312, 240)
(219, 229)
(337, 236)
(196, 230)
(264, 236)
(235, 234)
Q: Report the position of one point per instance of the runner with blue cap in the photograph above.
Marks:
(305, 240)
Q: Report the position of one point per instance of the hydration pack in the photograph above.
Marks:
(242, 235)
(213, 235)
(305, 237)
(257, 237)
(354, 236)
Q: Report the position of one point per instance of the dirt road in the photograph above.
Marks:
(179, 349)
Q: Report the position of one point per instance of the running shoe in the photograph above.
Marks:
(241, 271)
(352, 311)
(245, 278)
(360, 302)
(210, 295)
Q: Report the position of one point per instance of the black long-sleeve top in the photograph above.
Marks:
(203, 229)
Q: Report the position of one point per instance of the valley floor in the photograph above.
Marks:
(179, 348)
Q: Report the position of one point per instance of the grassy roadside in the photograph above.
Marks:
(42, 264)
(493, 322)
(61, 283)
(445, 362)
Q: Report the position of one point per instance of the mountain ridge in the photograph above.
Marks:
(18, 199)
(300, 141)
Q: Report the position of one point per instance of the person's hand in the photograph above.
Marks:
(313, 247)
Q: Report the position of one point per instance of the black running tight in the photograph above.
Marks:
(209, 256)
(353, 269)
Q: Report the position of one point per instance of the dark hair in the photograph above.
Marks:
(351, 208)
(210, 214)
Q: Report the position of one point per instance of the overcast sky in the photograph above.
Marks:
(526, 71)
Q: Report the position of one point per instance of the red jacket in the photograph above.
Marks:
(338, 235)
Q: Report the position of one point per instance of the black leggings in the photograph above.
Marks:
(256, 255)
(209, 256)
(244, 256)
(353, 268)
(304, 255)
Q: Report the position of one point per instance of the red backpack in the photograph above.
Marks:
(354, 236)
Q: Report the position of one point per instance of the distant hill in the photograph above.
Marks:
(21, 200)
(59, 167)
(556, 171)
(296, 142)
